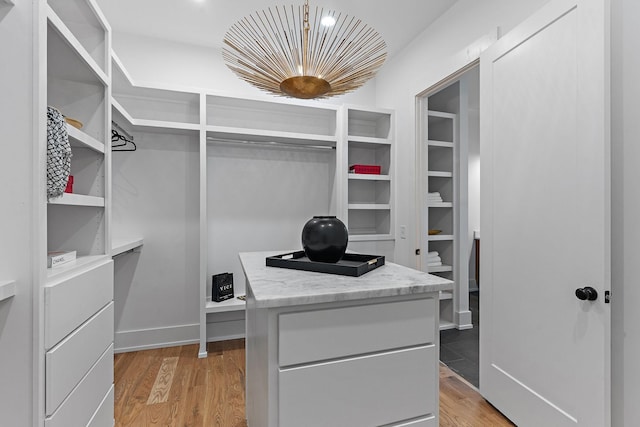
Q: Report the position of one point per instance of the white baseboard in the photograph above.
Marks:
(147, 339)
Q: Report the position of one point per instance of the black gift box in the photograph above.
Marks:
(222, 285)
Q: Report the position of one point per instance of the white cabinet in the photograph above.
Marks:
(76, 299)
(357, 363)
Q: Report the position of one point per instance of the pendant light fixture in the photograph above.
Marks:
(289, 51)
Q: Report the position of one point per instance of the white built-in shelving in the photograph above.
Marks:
(442, 163)
(75, 58)
(77, 85)
(438, 165)
(368, 199)
(347, 135)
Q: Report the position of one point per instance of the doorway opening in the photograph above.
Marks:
(448, 209)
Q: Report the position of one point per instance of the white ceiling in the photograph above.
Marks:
(204, 22)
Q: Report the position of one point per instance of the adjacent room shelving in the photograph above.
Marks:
(442, 187)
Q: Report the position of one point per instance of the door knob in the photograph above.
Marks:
(587, 293)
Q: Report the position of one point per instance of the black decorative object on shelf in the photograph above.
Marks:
(354, 265)
(325, 239)
(222, 285)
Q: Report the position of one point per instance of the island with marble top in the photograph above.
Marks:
(330, 350)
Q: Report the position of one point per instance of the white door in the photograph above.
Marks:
(545, 218)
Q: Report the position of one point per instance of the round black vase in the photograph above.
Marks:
(324, 239)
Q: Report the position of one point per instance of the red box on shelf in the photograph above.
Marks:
(367, 169)
(69, 188)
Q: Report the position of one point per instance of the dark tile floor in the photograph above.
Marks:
(459, 350)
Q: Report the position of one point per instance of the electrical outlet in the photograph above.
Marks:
(403, 231)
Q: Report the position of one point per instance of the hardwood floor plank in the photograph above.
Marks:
(164, 380)
(210, 392)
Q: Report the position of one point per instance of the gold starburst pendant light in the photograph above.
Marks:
(291, 52)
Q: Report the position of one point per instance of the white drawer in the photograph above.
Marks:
(87, 397)
(104, 415)
(326, 334)
(69, 361)
(71, 301)
(356, 392)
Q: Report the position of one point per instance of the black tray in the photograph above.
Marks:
(350, 265)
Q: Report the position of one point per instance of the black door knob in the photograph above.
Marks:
(587, 293)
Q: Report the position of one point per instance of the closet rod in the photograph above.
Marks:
(121, 130)
(271, 144)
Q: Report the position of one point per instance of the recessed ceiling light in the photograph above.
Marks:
(328, 21)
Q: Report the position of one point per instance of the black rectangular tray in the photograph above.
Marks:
(350, 265)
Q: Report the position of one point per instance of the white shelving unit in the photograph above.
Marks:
(438, 160)
(368, 199)
(442, 164)
(74, 53)
(224, 124)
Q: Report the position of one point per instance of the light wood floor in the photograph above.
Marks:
(173, 387)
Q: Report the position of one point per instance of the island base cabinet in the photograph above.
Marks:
(388, 388)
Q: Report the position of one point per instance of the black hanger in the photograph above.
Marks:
(120, 142)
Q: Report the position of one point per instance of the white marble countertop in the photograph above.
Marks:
(278, 287)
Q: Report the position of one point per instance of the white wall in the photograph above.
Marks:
(626, 212)
(156, 196)
(197, 67)
(17, 348)
(449, 44)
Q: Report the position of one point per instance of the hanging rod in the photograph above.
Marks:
(271, 144)
(121, 130)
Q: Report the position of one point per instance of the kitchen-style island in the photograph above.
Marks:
(330, 350)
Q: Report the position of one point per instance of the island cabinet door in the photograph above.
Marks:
(394, 388)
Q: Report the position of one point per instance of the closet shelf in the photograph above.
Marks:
(369, 206)
(369, 177)
(77, 138)
(369, 140)
(444, 144)
(231, 134)
(75, 74)
(122, 245)
(233, 304)
(7, 289)
(440, 237)
(144, 125)
(439, 174)
(441, 205)
(73, 266)
(440, 269)
(72, 199)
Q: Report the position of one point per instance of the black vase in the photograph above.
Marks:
(324, 239)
